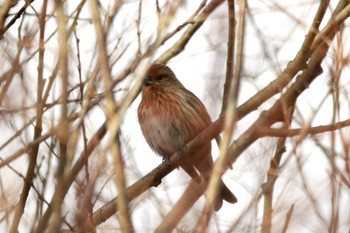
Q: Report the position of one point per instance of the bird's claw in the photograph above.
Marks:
(166, 160)
(155, 183)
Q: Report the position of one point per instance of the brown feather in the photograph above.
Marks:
(170, 116)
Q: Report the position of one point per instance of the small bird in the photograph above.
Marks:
(170, 116)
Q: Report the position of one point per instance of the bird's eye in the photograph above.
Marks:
(159, 78)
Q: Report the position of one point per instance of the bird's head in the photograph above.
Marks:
(160, 78)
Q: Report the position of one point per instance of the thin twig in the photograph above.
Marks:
(14, 18)
(281, 132)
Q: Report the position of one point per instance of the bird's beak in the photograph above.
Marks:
(148, 81)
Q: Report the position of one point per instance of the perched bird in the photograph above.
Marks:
(170, 116)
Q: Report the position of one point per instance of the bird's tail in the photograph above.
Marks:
(224, 194)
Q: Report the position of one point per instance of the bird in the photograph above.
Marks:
(170, 116)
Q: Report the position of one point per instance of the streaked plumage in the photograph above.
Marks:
(170, 116)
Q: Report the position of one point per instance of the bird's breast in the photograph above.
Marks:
(162, 129)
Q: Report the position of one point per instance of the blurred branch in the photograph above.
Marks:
(228, 88)
(187, 35)
(4, 9)
(33, 154)
(63, 137)
(26, 149)
(190, 20)
(282, 132)
(229, 105)
(70, 178)
(193, 192)
(9, 75)
(112, 120)
(272, 175)
(288, 218)
(300, 60)
(339, 15)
